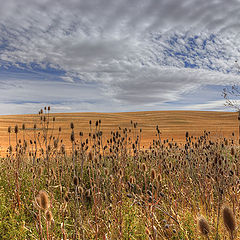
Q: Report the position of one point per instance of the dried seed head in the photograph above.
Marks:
(96, 160)
(144, 167)
(55, 143)
(10, 148)
(88, 193)
(72, 125)
(63, 149)
(203, 226)
(153, 174)
(40, 170)
(106, 172)
(66, 197)
(80, 190)
(44, 200)
(90, 156)
(120, 173)
(16, 129)
(75, 180)
(49, 216)
(9, 129)
(229, 219)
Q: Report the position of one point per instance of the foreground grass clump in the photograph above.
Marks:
(114, 189)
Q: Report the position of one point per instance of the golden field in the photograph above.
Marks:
(172, 124)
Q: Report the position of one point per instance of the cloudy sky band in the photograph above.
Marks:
(109, 56)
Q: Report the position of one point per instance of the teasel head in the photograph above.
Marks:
(55, 143)
(75, 180)
(153, 174)
(96, 160)
(40, 170)
(49, 148)
(90, 156)
(10, 148)
(16, 129)
(106, 172)
(44, 202)
(229, 220)
(66, 196)
(120, 173)
(144, 167)
(203, 226)
(9, 129)
(88, 193)
(63, 149)
(49, 216)
(80, 190)
(72, 125)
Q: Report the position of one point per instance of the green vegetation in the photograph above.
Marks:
(113, 189)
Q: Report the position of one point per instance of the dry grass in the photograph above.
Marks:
(106, 186)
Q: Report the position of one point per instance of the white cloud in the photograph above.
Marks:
(218, 105)
(67, 79)
(133, 52)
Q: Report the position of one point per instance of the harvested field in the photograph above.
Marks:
(172, 124)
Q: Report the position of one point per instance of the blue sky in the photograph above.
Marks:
(112, 56)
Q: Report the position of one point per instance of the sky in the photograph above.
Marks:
(115, 56)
